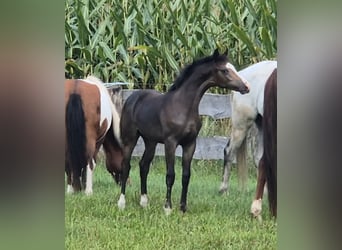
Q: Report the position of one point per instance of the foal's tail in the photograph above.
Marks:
(242, 164)
(76, 132)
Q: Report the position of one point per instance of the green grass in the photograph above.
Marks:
(212, 221)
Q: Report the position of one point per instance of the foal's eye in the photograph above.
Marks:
(225, 71)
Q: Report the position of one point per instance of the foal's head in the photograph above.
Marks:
(226, 76)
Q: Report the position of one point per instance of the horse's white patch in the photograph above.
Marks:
(256, 75)
(70, 189)
(108, 110)
(122, 201)
(143, 200)
(167, 210)
(89, 181)
(105, 101)
(256, 207)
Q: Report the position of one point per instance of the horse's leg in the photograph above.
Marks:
(257, 203)
(91, 149)
(144, 164)
(70, 189)
(89, 182)
(237, 137)
(170, 149)
(188, 152)
(126, 167)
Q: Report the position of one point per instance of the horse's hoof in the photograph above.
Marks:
(143, 200)
(88, 192)
(223, 189)
(256, 208)
(122, 202)
(70, 189)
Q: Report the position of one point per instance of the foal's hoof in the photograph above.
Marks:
(183, 208)
(167, 210)
(143, 200)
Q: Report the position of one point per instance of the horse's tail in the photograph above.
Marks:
(271, 180)
(270, 140)
(242, 164)
(76, 133)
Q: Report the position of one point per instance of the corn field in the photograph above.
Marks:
(147, 42)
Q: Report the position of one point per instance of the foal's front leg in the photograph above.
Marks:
(188, 152)
(144, 164)
(170, 149)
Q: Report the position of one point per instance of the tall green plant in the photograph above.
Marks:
(147, 42)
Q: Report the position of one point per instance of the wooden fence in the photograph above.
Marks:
(210, 148)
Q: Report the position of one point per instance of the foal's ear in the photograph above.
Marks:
(216, 53)
(226, 52)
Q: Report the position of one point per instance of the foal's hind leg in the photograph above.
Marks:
(126, 167)
(144, 164)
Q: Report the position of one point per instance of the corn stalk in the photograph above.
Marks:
(147, 42)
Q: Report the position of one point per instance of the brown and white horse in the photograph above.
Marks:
(91, 120)
(267, 171)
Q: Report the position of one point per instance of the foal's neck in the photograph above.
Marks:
(193, 90)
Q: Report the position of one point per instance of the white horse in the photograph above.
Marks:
(246, 110)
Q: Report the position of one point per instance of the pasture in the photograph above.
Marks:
(212, 221)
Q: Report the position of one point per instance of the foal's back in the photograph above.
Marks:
(140, 111)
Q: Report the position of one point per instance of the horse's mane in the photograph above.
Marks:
(189, 69)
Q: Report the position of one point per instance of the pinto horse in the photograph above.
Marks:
(246, 110)
(268, 163)
(172, 119)
(91, 119)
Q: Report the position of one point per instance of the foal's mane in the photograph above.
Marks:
(189, 69)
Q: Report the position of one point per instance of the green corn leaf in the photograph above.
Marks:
(107, 51)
